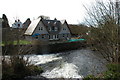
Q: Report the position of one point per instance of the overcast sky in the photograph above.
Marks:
(71, 10)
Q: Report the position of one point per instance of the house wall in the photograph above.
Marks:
(38, 29)
(65, 32)
(43, 37)
(64, 36)
(42, 31)
(29, 38)
(64, 26)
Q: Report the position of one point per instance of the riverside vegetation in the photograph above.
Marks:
(14, 66)
(104, 37)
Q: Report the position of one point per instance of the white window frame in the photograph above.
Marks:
(56, 29)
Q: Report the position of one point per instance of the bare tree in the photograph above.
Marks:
(104, 30)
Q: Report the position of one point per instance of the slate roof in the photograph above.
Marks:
(47, 23)
(50, 23)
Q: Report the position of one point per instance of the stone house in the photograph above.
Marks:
(46, 29)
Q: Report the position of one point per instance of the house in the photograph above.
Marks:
(46, 29)
(17, 24)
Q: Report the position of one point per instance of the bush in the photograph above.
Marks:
(18, 68)
(113, 73)
(90, 77)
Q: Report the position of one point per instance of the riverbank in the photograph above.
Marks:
(44, 48)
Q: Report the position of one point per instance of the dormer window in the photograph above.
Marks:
(49, 29)
(56, 29)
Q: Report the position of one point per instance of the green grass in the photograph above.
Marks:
(21, 42)
(24, 42)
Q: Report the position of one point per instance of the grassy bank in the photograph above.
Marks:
(21, 42)
(44, 48)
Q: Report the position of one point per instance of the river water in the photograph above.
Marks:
(71, 64)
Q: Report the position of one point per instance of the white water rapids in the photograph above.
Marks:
(72, 64)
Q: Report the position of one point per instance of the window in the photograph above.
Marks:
(64, 28)
(40, 28)
(63, 35)
(67, 35)
(53, 28)
(18, 25)
(49, 29)
(49, 36)
(56, 29)
(36, 37)
(42, 36)
(56, 36)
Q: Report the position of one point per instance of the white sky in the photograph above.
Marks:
(71, 10)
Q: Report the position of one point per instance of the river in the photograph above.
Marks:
(71, 64)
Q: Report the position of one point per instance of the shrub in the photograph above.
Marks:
(113, 73)
(18, 68)
(90, 77)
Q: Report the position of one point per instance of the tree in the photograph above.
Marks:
(104, 30)
(5, 21)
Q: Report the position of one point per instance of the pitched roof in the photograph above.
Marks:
(32, 26)
(47, 24)
(62, 21)
(51, 23)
